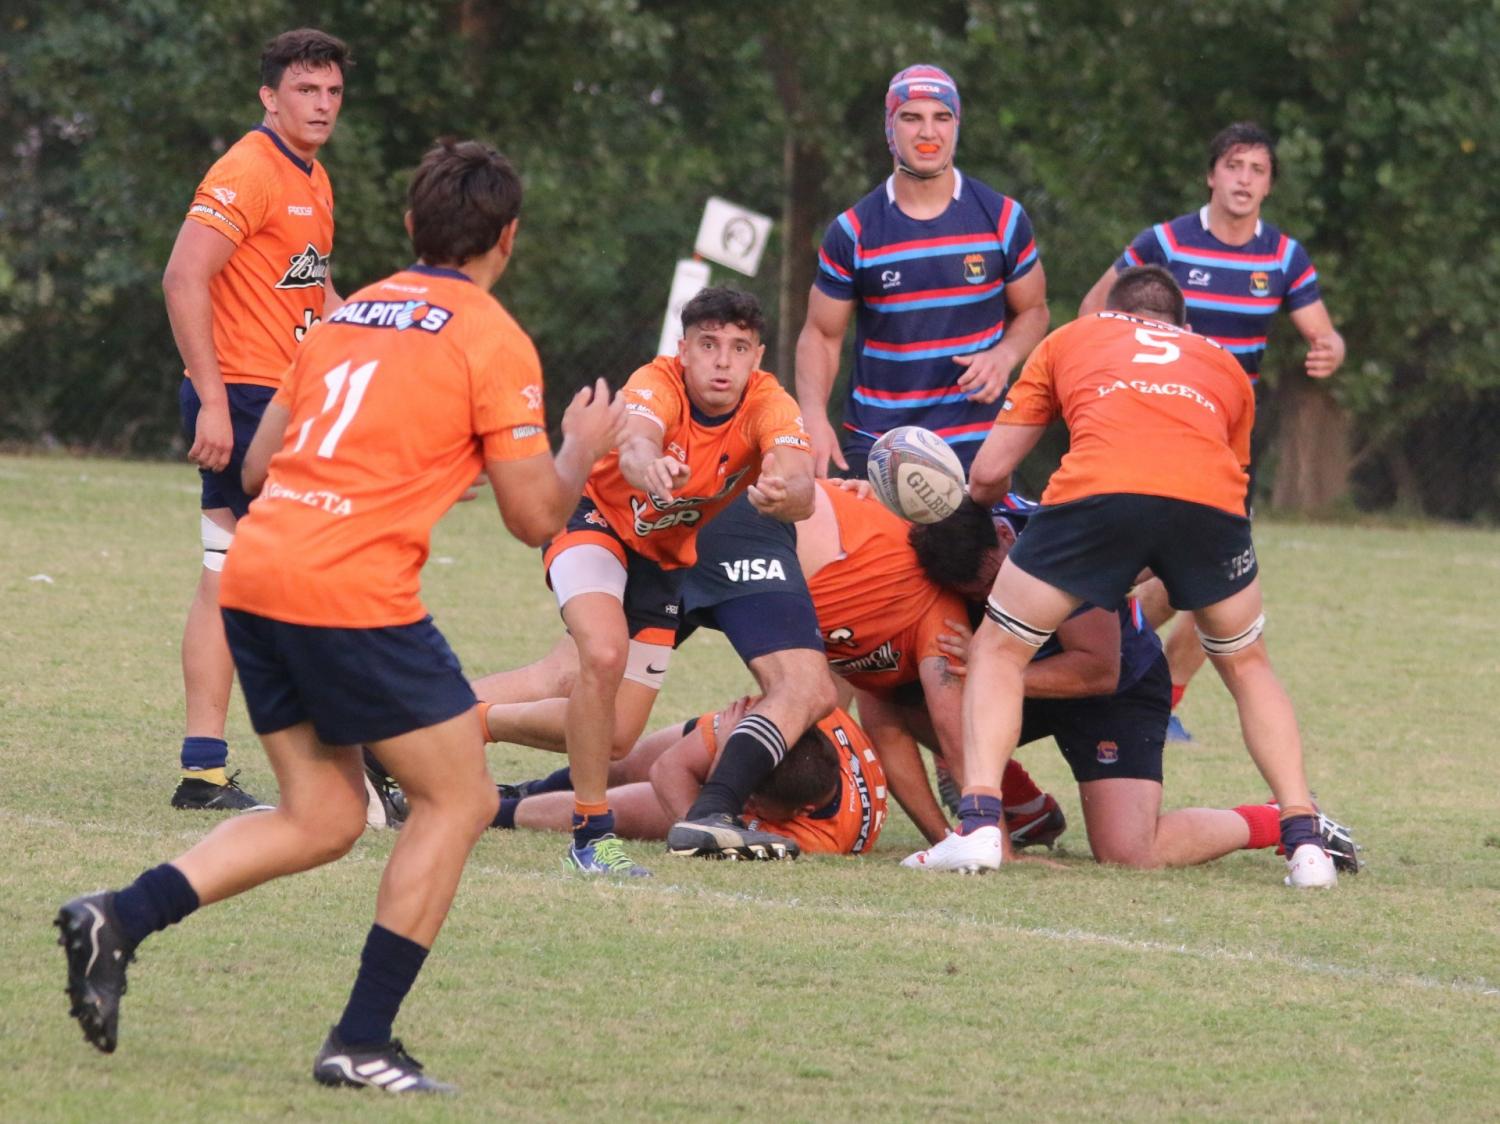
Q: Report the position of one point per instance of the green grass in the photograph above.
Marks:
(831, 989)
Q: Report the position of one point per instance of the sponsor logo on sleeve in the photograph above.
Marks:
(223, 195)
(218, 216)
(532, 392)
(293, 209)
(523, 432)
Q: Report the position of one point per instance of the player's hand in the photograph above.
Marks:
(730, 716)
(1322, 359)
(213, 438)
(954, 644)
(985, 373)
(769, 492)
(825, 444)
(663, 475)
(594, 419)
(860, 487)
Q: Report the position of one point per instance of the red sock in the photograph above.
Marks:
(1264, 821)
(1016, 786)
(1178, 690)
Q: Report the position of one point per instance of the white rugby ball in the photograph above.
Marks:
(914, 473)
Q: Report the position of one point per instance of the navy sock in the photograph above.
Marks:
(1297, 830)
(755, 746)
(560, 781)
(506, 816)
(204, 753)
(978, 811)
(160, 897)
(387, 969)
(586, 829)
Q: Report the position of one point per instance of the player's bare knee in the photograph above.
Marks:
(602, 660)
(1137, 855)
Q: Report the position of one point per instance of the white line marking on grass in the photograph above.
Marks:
(1476, 987)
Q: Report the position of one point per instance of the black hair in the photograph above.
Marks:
(806, 775)
(462, 196)
(1242, 134)
(722, 305)
(952, 551)
(306, 45)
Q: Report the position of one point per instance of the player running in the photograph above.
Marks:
(701, 427)
(1159, 424)
(248, 276)
(391, 409)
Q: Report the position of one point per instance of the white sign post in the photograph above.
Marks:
(732, 236)
(689, 278)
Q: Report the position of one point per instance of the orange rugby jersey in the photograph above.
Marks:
(396, 403)
(723, 455)
(277, 209)
(879, 614)
(1150, 409)
(852, 823)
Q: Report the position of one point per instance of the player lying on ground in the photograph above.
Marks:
(1159, 424)
(1101, 689)
(391, 409)
(826, 795)
(701, 427)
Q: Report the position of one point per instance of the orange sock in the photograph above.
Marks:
(1016, 786)
(483, 710)
(586, 810)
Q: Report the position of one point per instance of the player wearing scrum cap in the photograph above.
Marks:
(942, 278)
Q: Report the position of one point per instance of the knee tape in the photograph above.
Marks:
(216, 543)
(586, 568)
(1027, 634)
(646, 664)
(1233, 644)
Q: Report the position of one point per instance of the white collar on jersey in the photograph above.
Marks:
(958, 188)
(1203, 218)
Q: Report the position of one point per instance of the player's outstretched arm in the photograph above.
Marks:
(269, 435)
(1093, 300)
(197, 256)
(642, 462)
(1325, 347)
(537, 494)
(785, 487)
(1004, 448)
(905, 774)
(818, 348)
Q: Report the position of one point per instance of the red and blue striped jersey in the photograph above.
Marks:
(927, 290)
(1231, 291)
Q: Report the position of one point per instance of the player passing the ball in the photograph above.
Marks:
(1159, 424)
(392, 407)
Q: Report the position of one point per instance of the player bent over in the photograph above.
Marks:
(1159, 423)
(700, 428)
(390, 410)
(1101, 688)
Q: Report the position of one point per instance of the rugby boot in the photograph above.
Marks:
(975, 853)
(722, 836)
(1037, 829)
(97, 953)
(387, 1066)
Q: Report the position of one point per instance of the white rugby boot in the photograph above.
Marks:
(974, 853)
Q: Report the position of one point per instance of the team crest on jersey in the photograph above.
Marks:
(306, 270)
(974, 269)
(596, 519)
(1260, 284)
(1108, 753)
(224, 195)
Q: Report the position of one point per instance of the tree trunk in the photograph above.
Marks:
(1312, 445)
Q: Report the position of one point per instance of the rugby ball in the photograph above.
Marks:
(913, 473)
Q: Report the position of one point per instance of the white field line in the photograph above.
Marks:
(1208, 954)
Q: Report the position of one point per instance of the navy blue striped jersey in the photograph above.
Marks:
(927, 290)
(1232, 291)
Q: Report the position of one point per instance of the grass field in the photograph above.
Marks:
(829, 989)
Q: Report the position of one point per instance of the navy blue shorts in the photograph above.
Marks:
(247, 402)
(748, 584)
(1093, 548)
(1108, 736)
(355, 685)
